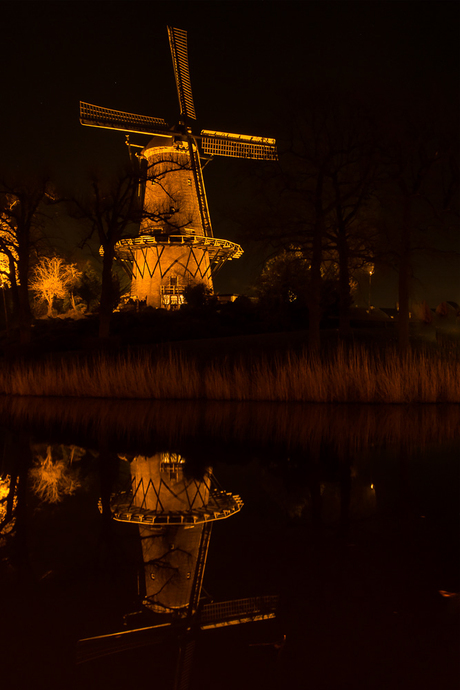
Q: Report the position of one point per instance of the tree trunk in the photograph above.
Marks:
(106, 305)
(25, 313)
(344, 287)
(314, 302)
(344, 271)
(404, 280)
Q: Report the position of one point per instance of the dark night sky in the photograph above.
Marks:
(246, 58)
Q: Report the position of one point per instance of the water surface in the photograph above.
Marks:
(350, 517)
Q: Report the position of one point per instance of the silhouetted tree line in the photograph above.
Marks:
(357, 184)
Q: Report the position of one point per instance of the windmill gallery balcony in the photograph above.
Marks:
(160, 267)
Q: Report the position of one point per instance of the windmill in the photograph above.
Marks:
(176, 246)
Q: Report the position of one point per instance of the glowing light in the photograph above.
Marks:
(448, 595)
(372, 487)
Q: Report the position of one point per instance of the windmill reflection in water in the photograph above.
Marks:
(174, 514)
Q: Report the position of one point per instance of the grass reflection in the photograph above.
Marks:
(133, 424)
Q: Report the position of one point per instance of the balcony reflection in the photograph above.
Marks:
(174, 514)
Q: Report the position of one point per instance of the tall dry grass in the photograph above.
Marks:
(355, 375)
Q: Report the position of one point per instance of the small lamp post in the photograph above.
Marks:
(371, 273)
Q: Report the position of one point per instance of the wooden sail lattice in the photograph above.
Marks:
(237, 611)
(238, 146)
(179, 54)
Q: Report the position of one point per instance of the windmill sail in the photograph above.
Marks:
(97, 116)
(179, 53)
(238, 146)
(200, 189)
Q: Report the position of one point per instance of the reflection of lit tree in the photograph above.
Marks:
(8, 504)
(54, 478)
(54, 279)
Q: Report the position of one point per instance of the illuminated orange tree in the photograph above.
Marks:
(53, 279)
(8, 255)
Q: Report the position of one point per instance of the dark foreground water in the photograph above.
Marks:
(351, 517)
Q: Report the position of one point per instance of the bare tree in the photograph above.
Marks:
(114, 210)
(21, 204)
(111, 212)
(417, 195)
(320, 200)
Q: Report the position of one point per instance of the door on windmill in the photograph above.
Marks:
(172, 293)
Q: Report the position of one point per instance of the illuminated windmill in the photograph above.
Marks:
(176, 246)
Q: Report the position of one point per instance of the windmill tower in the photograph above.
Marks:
(176, 246)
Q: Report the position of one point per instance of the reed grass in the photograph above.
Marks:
(357, 375)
